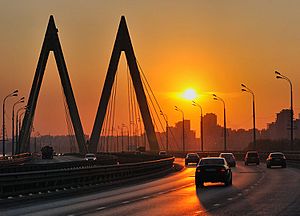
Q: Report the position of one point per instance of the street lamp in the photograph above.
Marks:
(201, 123)
(128, 139)
(280, 76)
(21, 100)
(179, 110)
(167, 129)
(246, 89)
(18, 128)
(117, 142)
(220, 99)
(13, 94)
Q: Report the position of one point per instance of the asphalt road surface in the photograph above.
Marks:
(256, 190)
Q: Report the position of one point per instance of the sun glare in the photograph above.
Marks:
(189, 94)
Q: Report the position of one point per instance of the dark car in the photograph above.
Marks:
(230, 159)
(192, 158)
(213, 169)
(252, 157)
(276, 159)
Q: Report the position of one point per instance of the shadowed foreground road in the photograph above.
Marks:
(256, 190)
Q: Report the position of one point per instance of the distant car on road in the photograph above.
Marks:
(162, 153)
(230, 159)
(276, 159)
(90, 157)
(192, 158)
(252, 157)
(47, 152)
(213, 169)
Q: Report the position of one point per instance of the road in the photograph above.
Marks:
(256, 190)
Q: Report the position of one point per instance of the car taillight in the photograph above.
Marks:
(198, 170)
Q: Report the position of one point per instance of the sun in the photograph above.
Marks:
(189, 94)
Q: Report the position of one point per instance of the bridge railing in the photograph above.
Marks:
(24, 183)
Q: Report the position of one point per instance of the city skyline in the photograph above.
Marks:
(238, 139)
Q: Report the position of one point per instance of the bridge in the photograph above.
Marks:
(130, 183)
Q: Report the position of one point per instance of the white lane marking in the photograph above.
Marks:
(217, 204)
(101, 208)
(145, 197)
(161, 193)
(125, 202)
(240, 194)
(246, 190)
(230, 198)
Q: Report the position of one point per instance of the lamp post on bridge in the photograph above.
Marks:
(117, 143)
(21, 100)
(201, 124)
(167, 129)
(18, 128)
(246, 89)
(225, 130)
(183, 144)
(123, 125)
(280, 76)
(13, 94)
(20, 125)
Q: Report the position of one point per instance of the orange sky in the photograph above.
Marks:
(211, 46)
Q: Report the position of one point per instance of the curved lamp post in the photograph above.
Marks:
(201, 123)
(246, 89)
(183, 144)
(13, 94)
(18, 128)
(280, 76)
(21, 100)
(225, 130)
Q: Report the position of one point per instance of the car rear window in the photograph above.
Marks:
(192, 155)
(212, 161)
(277, 155)
(252, 154)
(227, 156)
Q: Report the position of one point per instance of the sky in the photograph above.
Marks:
(209, 46)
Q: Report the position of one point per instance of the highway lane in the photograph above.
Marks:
(255, 191)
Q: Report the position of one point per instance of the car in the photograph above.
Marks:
(252, 157)
(276, 159)
(213, 169)
(192, 158)
(162, 153)
(230, 159)
(90, 157)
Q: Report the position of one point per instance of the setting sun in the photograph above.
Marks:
(189, 94)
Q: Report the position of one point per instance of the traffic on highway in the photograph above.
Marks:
(255, 190)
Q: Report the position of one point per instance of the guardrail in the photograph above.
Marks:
(102, 159)
(22, 183)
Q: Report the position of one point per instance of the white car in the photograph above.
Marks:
(90, 157)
